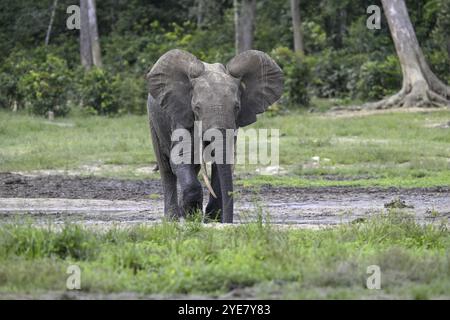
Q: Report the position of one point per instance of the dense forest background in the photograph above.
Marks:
(342, 58)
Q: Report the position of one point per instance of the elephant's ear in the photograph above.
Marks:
(262, 83)
(170, 83)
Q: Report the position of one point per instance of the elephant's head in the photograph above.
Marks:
(221, 97)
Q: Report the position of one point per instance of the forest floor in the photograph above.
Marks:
(352, 189)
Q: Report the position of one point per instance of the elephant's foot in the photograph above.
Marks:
(192, 199)
(213, 211)
(173, 213)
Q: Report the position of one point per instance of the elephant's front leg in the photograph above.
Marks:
(169, 182)
(191, 193)
(213, 210)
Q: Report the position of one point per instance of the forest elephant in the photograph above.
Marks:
(184, 90)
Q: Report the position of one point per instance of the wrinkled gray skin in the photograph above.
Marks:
(183, 89)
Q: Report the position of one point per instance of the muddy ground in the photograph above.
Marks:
(105, 201)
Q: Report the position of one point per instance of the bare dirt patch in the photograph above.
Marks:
(94, 200)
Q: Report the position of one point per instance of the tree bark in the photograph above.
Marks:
(93, 33)
(236, 7)
(244, 21)
(50, 25)
(296, 26)
(200, 9)
(448, 48)
(421, 87)
(85, 39)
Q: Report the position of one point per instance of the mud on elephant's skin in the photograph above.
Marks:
(183, 89)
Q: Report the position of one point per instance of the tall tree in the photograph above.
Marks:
(244, 24)
(89, 39)
(93, 34)
(421, 87)
(296, 26)
(85, 39)
(200, 8)
(50, 24)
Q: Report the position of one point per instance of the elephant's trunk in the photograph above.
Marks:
(225, 174)
(226, 187)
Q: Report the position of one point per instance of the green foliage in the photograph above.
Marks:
(315, 37)
(273, 25)
(190, 258)
(335, 73)
(340, 50)
(440, 64)
(8, 90)
(376, 42)
(378, 79)
(14, 67)
(97, 92)
(45, 86)
(131, 94)
(296, 76)
(103, 93)
(72, 241)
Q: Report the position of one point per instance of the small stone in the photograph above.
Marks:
(397, 204)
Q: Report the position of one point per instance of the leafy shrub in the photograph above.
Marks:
(315, 37)
(8, 90)
(296, 76)
(440, 63)
(131, 94)
(12, 69)
(376, 42)
(45, 86)
(97, 92)
(103, 93)
(378, 79)
(334, 73)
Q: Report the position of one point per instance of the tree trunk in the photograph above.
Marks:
(50, 25)
(200, 8)
(244, 21)
(93, 33)
(421, 87)
(448, 48)
(237, 28)
(296, 26)
(85, 39)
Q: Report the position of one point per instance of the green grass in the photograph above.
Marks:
(259, 259)
(389, 149)
(31, 143)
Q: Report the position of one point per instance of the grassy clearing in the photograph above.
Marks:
(256, 259)
(31, 143)
(389, 149)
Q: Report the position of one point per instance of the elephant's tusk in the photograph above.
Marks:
(206, 180)
(234, 152)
